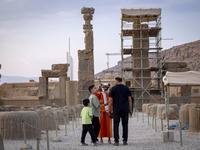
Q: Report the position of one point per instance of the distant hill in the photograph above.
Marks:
(189, 53)
(14, 79)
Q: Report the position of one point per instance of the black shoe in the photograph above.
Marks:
(116, 144)
(125, 143)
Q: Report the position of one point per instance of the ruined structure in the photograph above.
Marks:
(86, 57)
(57, 71)
(140, 37)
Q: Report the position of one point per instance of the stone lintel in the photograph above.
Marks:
(53, 73)
(63, 67)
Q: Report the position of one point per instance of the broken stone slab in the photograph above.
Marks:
(63, 67)
(53, 73)
(171, 114)
(173, 65)
(178, 69)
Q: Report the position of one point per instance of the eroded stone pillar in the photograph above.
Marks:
(71, 93)
(43, 88)
(86, 57)
(62, 86)
(87, 27)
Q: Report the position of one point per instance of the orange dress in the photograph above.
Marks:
(105, 120)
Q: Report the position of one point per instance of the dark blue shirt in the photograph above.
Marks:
(120, 93)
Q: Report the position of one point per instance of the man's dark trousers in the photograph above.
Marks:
(96, 126)
(116, 119)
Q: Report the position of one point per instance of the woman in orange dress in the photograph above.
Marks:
(105, 120)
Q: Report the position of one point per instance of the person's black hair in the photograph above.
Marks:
(118, 79)
(86, 102)
(90, 88)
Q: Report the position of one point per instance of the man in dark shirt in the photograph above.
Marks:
(120, 97)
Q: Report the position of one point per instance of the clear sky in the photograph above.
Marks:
(34, 33)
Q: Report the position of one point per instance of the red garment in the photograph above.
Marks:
(105, 120)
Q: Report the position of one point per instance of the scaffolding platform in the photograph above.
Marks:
(153, 32)
(140, 38)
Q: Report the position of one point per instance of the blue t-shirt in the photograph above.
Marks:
(120, 93)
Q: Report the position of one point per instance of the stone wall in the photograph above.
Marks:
(21, 101)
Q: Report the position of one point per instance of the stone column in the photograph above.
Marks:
(87, 27)
(71, 93)
(86, 58)
(43, 88)
(62, 86)
(141, 46)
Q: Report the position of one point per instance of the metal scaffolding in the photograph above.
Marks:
(141, 39)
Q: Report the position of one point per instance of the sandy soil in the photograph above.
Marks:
(141, 137)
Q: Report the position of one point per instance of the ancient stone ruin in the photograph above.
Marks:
(57, 71)
(86, 56)
(43, 105)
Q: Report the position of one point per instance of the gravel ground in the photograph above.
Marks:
(141, 137)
